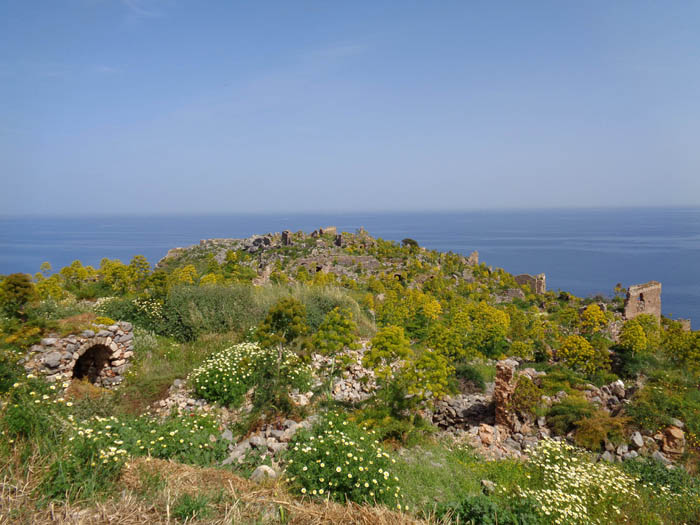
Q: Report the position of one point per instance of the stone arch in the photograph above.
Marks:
(102, 357)
(92, 363)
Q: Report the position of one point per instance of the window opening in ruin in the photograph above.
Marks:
(91, 363)
(641, 297)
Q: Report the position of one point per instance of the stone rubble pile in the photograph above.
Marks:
(485, 421)
(356, 382)
(269, 442)
(180, 399)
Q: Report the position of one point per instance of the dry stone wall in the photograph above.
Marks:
(102, 357)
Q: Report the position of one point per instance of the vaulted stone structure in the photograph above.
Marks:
(101, 357)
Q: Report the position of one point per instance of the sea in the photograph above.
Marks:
(584, 251)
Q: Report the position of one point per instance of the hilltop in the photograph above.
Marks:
(403, 384)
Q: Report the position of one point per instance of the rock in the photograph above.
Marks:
(88, 333)
(263, 473)
(677, 423)
(52, 359)
(636, 440)
(622, 450)
(658, 456)
(617, 388)
(650, 445)
(227, 435)
(277, 434)
(48, 341)
(258, 441)
(488, 486)
(276, 446)
(630, 455)
(673, 443)
(486, 434)
(607, 456)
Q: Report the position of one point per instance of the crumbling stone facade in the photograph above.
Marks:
(538, 283)
(101, 357)
(643, 299)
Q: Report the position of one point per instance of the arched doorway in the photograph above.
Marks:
(91, 363)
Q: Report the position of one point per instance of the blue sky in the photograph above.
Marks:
(175, 106)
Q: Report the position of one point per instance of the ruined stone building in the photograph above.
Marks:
(643, 299)
(538, 283)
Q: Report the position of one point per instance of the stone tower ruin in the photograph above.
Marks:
(643, 299)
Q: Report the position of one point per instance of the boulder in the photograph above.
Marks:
(263, 473)
(636, 440)
(673, 443)
(52, 359)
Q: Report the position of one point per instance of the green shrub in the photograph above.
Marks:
(189, 507)
(185, 438)
(227, 375)
(10, 371)
(337, 331)
(482, 509)
(16, 291)
(563, 416)
(470, 375)
(192, 310)
(592, 431)
(33, 413)
(526, 397)
(341, 461)
(285, 322)
(389, 345)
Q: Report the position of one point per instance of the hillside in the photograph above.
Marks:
(334, 376)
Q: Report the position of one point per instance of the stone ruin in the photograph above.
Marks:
(538, 283)
(101, 357)
(643, 299)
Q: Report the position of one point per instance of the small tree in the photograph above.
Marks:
(16, 291)
(138, 271)
(285, 322)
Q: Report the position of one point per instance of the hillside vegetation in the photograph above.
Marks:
(294, 378)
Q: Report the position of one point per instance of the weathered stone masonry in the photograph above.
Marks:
(538, 283)
(643, 299)
(101, 357)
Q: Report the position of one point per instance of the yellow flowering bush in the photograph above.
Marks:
(340, 461)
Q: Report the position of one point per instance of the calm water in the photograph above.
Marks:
(583, 251)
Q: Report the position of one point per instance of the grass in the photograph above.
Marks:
(178, 490)
(440, 472)
(158, 361)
